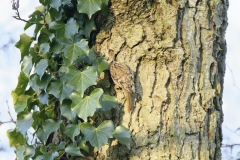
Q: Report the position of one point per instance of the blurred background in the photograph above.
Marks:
(10, 30)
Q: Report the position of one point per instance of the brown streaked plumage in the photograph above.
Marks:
(123, 76)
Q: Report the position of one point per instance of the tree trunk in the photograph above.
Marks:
(177, 51)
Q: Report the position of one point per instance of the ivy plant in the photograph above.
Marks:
(58, 91)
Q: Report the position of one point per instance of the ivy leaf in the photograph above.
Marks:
(43, 97)
(88, 28)
(27, 64)
(84, 146)
(81, 80)
(48, 156)
(49, 111)
(41, 67)
(48, 33)
(64, 2)
(104, 8)
(97, 136)
(89, 6)
(56, 147)
(19, 102)
(73, 51)
(44, 48)
(56, 47)
(87, 106)
(24, 122)
(19, 152)
(66, 110)
(92, 55)
(29, 151)
(24, 44)
(33, 82)
(108, 102)
(64, 30)
(72, 131)
(16, 139)
(73, 150)
(34, 54)
(42, 136)
(100, 64)
(39, 118)
(55, 4)
(35, 17)
(123, 135)
(22, 83)
(51, 126)
(42, 38)
(60, 90)
(43, 83)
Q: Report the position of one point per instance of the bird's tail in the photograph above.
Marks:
(128, 100)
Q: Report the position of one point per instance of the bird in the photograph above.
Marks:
(123, 76)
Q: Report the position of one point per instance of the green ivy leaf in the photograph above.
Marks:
(55, 3)
(66, 110)
(43, 97)
(56, 47)
(29, 151)
(49, 111)
(72, 131)
(35, 17)
(64, 30)
(100, 64)
(24, 122)
(108, 102)
(48, 33)
(123, 135)
(42, 136)
(92, 55)
(19, 102)
(88, 28)
(33, 82)
(22, 83)
(24, 44)
(89, 6)
(87, 106)
(39, 118)
(44, 48)
(84, 146)
(81, 80)
(73, 51)
(48, 156)
(104, 8)
(42, 38)
(43, 83)
(98, 136)
(19, 152)
(41, 67)
(51, 126)
(34, 54)
(60, 90)
(16, 139)
(64, 2)
(56, 147)
(73, 150)
(27, 64)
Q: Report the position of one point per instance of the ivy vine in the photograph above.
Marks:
(58, 87)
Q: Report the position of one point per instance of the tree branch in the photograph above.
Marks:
(11, 120)
(15, 6)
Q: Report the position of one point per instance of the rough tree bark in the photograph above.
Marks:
(177, 50)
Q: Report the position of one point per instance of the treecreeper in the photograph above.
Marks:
(123, 77)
